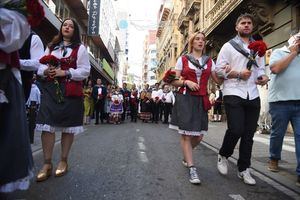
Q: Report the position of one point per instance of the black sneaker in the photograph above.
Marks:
(194, 179)
(298, 181)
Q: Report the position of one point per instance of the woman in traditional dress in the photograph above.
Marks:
(116, 108)
(88, 102)
(16, 163)
(189, 114)
(62, 100)
(145, 101)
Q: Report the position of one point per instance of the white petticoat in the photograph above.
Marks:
(21, 184)
(53, 129)
(185, 132)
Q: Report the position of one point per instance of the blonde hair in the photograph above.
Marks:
(191, 40)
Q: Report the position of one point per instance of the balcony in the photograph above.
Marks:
(183, 21)
(193, 6)
(163, 18)
(218, 13)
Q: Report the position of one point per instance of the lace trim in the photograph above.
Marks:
(53, 129)
(184, 132)
(21, 184)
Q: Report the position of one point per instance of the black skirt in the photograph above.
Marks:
(188, 115)
(68, 113)
(16, 161)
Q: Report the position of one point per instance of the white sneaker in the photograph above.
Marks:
(222, 165)
(194, 179)
(246, 176)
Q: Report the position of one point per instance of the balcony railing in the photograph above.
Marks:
(183, 21)
(218, 12)
(193, 6)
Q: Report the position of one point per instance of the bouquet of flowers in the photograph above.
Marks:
(55, 62)
(31, 9)
(258, 48)
(170, 76)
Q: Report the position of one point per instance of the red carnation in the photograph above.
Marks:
(35, 12)
(169, 76)
(116, 101)
(259, 47)
(51, 60)
(156, 98)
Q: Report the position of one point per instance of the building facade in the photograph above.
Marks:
(150, 59)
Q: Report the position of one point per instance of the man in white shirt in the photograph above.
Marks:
(241, 98)
(168, 101)
(32, 105)
(156, 101)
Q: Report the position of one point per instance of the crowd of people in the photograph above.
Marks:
(113, 104)
(66, 105)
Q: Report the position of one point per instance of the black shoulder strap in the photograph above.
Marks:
(237, 47)
(196, 62)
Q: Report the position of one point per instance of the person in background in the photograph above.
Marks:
(30, 53)
(62, 106)
(156, 102)
(107, 104)
(218, 105)
(134, 102)
(88, 102)
(116, 108)
(189, 116)
(168, 100)
(145, 97)
(32, 105)
(241, 97)
(99, 94)
(126, 96)
(284, 99)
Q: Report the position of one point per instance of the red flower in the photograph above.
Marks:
(35, 12)
(51, 60)
(31, 9)
(169, 76)
(126, 94)
(259, 47)
(156, 98)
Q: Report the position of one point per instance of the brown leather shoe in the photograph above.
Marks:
(273, 166)
(61, 169)
(44, 173)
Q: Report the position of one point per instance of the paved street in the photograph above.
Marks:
(136, 161)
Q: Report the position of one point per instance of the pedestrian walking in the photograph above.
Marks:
(189, 115)
(218, 105)
(99, 95)
(156, 102)
(168, 100)
(145, 97)
(126, 96)
(134, 101)
(32, 105)
(240, 94)
(16, 163)
(284, 99)
(88, 102)
(116, 108)
(62, 95)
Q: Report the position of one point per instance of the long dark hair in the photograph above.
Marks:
(59, 37)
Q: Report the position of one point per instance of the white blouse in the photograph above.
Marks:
(83, 63)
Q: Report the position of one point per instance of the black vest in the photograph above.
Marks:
(26, 76)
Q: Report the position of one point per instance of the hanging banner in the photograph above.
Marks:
(94, 14)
